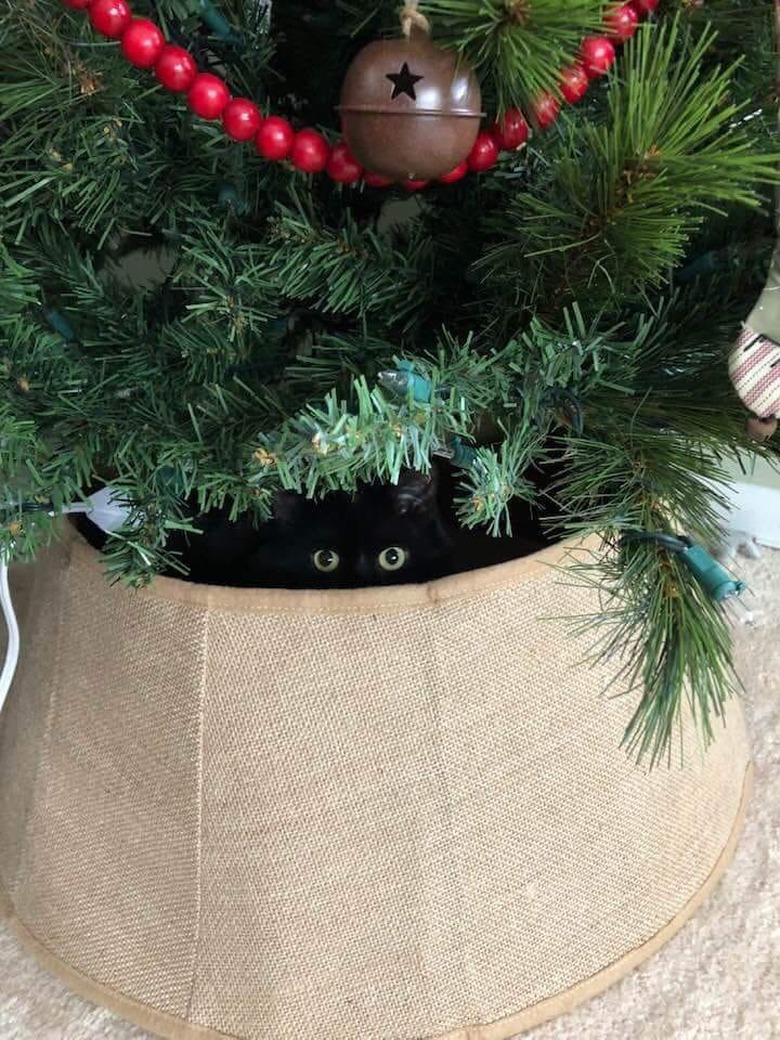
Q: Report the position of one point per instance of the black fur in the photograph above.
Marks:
(359, 538)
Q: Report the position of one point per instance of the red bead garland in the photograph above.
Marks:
(142, 43)
(574, 83)
(342, 166)
(274, 138)
(457, 174)
(621, 22)
(208, 96)
(241, 119)
(545, 110)
(175, 68)
(110, 17)
(376, 180)
(511, 131)
(484, 153)
(597, 54)
(309, 152)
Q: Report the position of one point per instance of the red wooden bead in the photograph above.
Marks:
(77, 5)
(241, 119)
(545, 110)
(510, 131)
(574, 83)
(621, 22)
(342, 165)
(376, 180)
(484, 153)
(175, 68)
(274, 138)
(309, 152)
(415, 185)
(645, 6)
(142, 43)
(208, 95)
(597, 54)
(457, 174)
(110, 17)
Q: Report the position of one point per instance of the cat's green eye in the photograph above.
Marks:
(326, 560)
(393, 558)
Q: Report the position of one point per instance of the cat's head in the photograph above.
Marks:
(386, 534)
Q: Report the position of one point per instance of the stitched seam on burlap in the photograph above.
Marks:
(17, 926)
(433, 678)
(431, 597)
(432, 600)
(199, 820)
(56, 682)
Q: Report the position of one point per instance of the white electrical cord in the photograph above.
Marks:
(109, 514)
(12, 650)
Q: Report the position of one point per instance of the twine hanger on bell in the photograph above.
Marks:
(412, 18)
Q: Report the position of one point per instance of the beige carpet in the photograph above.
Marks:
(719, 979)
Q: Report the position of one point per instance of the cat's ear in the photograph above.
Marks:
(288, 506)
(415, 492)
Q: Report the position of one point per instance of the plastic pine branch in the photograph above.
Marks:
(517, 47)
(628, 194)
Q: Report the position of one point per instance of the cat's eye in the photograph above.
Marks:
(393, 558)
(326, 560)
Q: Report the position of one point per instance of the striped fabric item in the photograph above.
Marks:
(754, 368)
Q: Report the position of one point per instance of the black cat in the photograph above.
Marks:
(385, 534)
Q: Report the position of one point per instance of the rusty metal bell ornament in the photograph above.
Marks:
(410, 110)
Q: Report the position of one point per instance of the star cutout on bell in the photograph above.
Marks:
(403, 82)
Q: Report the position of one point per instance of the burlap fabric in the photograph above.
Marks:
(372, 815)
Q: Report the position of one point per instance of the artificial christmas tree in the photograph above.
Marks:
(586, 277)
(552, 315)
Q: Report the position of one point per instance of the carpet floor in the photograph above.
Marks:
(718, 979)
